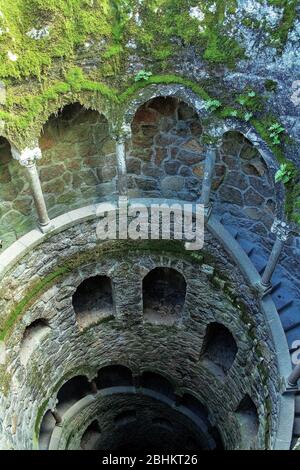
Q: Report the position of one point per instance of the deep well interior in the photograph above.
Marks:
(142, 344)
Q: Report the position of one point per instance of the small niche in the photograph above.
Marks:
(247, 416)
(32, 338)
(93, 301)
(219, 350)
(91, 436)
(124, 418)
(164, 291)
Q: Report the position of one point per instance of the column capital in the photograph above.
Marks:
(121, 134)
(283, 230)
(28, 156)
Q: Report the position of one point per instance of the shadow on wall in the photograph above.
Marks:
(165, 157)
(79, 164)
(17, 212)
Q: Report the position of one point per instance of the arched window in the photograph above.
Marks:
(91, 436)
(158, 383)
(93, 300)
(114, 376)
(194, 405)
(32, 338)
(219, 349)
(164, 291)
(47, 426)
(71, 392)
(247, 416)
(78, 167)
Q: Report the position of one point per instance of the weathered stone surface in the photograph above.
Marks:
(172, 183)
(230, 194)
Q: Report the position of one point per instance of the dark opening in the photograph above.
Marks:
(72, 391)
(219, 349)
(164, 291)
(194, 405)
(91, 436)
(47, 426)
(114, 376)
(158, 383)
(93, 300)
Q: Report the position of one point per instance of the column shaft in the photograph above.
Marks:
(121, 165)
(38, 195)
(272, 263)
(209, 170)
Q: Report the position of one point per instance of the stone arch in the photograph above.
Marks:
(219, 349)
(157, 382)
(165, 156)
(164, 293)
(244, 186)
(93, 300)
(17, 214)
(91, 436)
(180, 92)
(247, 417)
(114, 375)
(72, 391)
(78, 166)
(32, 338)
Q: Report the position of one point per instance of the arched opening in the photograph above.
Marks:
(166, 158)
(32, 338)
(47, 426)
(17, 215)
(247, 417)
(71, 392)
(158, 383)
(93, 301)
(243, 184)
(114, 376)
(219, 349)
(78, 167)
(125, 418)
(91, 436)
(164, 291)
(194, 405)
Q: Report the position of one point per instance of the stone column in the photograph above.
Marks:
(28, 158)
(121, 163)
(57, 417)
(282, 231)
(94, 388)
(209, 170)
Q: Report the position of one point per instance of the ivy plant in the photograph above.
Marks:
(285, 174)
(212, 105)
(142, 75)
(275, 131)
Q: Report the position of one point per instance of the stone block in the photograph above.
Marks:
(230, 194)
(171, 167)
(172, 183)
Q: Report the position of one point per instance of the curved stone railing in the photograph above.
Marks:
(58, 437)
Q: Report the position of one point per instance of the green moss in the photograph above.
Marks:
(28, 299)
